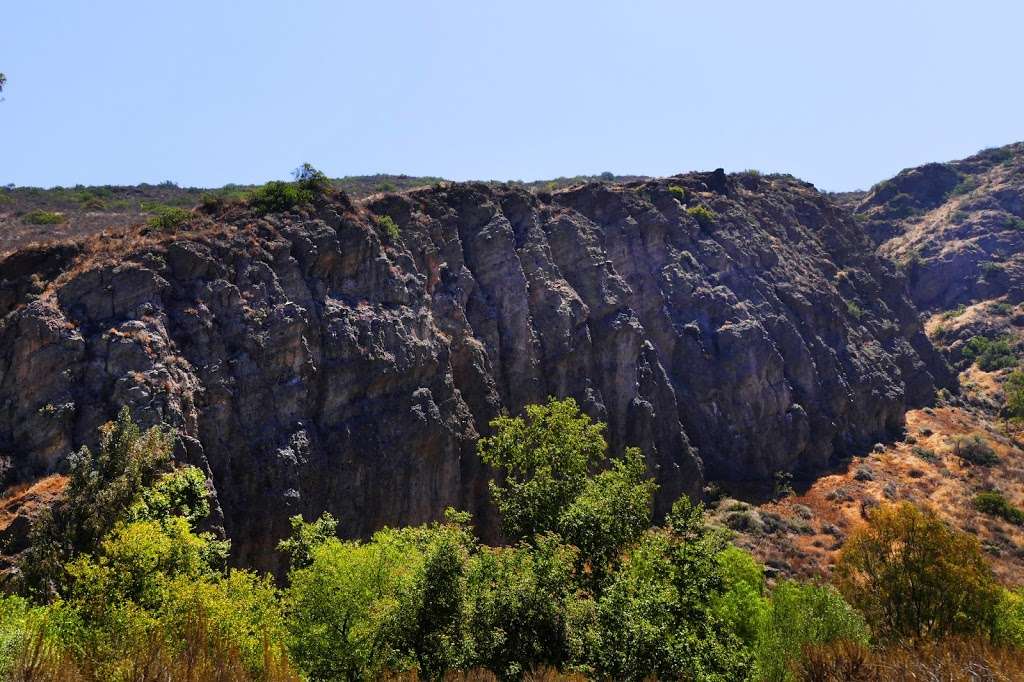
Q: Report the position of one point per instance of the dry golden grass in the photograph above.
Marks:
(951, 660)
(201, 658)
(838, 501)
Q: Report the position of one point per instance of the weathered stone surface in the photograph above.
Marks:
(310, 364)
(957, 228)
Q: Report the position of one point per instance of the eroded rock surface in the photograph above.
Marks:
(311, 362)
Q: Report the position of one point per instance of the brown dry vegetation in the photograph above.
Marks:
(923, 469)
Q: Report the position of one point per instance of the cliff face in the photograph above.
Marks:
(311, 362)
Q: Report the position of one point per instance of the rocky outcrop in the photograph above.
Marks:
(956, 228)
(311, 362)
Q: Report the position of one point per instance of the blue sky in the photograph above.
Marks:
(842, 94)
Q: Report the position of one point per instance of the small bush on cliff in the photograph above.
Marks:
(678, 192)
(388, 227)
(277, 197)
(311, 180)
(916, 578)
(975, 449)
(702, 214)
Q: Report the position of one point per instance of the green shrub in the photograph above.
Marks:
(388, 227)
(798, 616)
(311, 180)
(990, 269)
(169, 218)
(1009, 624)
(924, 453)
(15, 632)
(990, 354)
(678, 192)
(742, 604)
(975, 449)
(702, 214)
(277, 197)
(41, 217)
(966, 186)
(854, 310)
(993, 503)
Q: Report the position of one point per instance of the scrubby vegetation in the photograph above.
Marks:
(993, 502)
(702, 214)
(121, 583)
(990, 354)
(40, 217)
(388, 227)
(169, 218)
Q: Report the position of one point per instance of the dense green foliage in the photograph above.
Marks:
(388, 227)
(993, 502)
(990, 354)
(123, 576)
(169, 217)
(702, 214)
(277, 197)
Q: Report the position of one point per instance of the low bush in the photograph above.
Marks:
(388, 227)
(169, 218)
(277, 197)
(41, 217)
(994, 503)
(678, 192)
(990, 354)
(975, 450)
(702, 214)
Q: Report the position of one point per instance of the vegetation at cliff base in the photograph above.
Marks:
(123, 582)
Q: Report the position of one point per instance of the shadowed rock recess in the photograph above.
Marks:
(311, 362)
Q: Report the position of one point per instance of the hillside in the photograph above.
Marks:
(957, 230)
(346, 356)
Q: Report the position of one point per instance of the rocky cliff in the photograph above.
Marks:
(731, 326)
(956, 228)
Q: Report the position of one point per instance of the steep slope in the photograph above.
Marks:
(312, 361)
(957, 228)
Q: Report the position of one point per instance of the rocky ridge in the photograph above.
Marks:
(731, 326)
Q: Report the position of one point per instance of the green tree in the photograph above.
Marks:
(517, 606)
(1013, 404)
(101, 488)
(306, 537)
(914, 577)
(543, 462)
(343, 608)
(431, 627)
(799, 615)
(657, 616)
(611, 512)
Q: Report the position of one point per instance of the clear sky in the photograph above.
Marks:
(842, 94)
